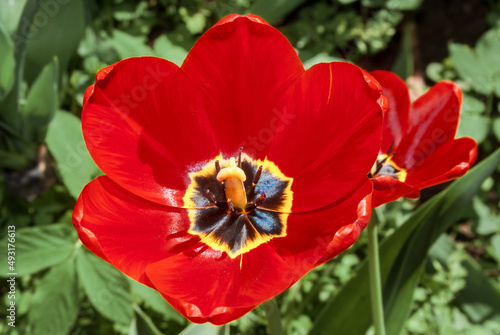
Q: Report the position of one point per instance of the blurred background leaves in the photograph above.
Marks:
(440, 254)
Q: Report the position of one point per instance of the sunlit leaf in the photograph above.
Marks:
(65, 142)
(6, 62)
(105, 286)
(55, 305)
(57, 30)
(42, 102)
(38, 248)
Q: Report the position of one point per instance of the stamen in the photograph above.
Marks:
(257, 176)
(217, 167)
(239, 157)
(261, 199)
(210, 196)
(230, 206)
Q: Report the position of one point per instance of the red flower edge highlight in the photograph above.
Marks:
(242, 84)
(420, 139)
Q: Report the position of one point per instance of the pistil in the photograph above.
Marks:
(233, 178)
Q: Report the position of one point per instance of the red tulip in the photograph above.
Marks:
(216, 230)
(419, 148)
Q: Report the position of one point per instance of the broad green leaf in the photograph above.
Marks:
(201, 329)
(65, 142)
(11, 13)
(105, 286)
(38, 248)
(274, 11)
(6, 62)
(152, 299)
(55, 304)
(127, 45)
(41, 103)
(56, 32)
(402, 256)
(164, 48)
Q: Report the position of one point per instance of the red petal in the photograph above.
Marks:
(332, 135)
(315, 237)
(209, 281)
(131, 232)
(387, 189)
(86, 236)
(432, 121)
(244, 68)
(449, 161)
(396, 117)
(144, 127)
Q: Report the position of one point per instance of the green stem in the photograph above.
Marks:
(274, 325)
(375, 281)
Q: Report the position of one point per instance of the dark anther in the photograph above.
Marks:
(210, 196)
(261, 199)
(230, 206)
(390, 148)
(256, 177)
(239, 157)
(217, 167)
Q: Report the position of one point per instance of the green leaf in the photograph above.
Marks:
(274, 11)
(495, 247)
(6, 62)
(152, 299)
(402, 256)
(55, 305)
(57, 30)
(488, 223)
(11, 13)
(475, 126)
(496, 127)
(200, 329)
(105, 286)
(164, 48)
(321, 58)
(65, 142)
(480, 67)
(143, 325)
(41, 103)
(38, 248)
(127, 45)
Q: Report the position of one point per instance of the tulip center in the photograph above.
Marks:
(385, 166)
(236, 204)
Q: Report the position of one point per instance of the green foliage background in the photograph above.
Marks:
(440, 255)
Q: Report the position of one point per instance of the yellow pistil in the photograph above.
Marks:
(233, 178)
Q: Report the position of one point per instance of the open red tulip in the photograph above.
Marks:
(419, 148)
(215, 229)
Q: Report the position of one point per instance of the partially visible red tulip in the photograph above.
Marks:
(419, 148)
